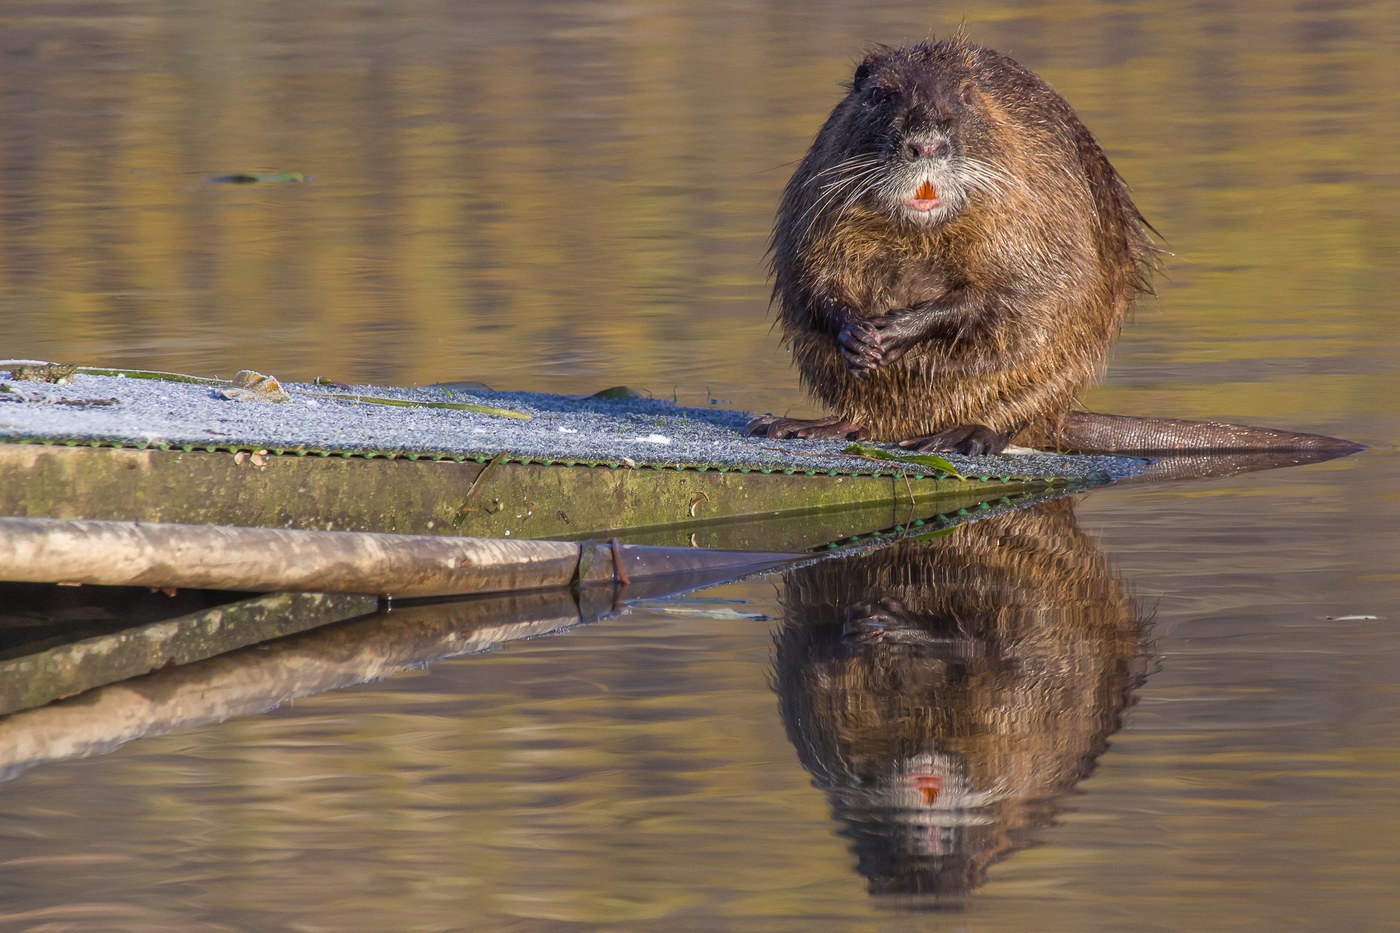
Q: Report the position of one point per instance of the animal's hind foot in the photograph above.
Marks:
(971, 440)
(811, 428)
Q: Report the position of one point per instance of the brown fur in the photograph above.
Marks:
(1044, 258)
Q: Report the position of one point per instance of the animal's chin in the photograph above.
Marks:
(917, 207)
(925, 199)
(925, 212)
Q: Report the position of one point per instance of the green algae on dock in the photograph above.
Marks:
(497, 498)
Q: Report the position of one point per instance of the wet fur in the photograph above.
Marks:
(1047, 247)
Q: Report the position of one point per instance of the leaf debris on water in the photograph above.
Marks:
(254, 178)
(59, 374)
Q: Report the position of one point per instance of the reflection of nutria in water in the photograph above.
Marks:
(943, 693)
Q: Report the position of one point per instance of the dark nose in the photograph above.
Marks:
(925, 147)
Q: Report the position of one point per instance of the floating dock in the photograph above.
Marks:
(441, 460)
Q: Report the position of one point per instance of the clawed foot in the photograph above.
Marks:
(972, 439)
(813, 428)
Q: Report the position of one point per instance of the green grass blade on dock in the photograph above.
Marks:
(927, 460)
(409, 403)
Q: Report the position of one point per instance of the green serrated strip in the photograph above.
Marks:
(389, 454)
(937, 526)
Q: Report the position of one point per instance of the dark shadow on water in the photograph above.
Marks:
(945, 694)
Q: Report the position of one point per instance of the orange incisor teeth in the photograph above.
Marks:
(926, 192)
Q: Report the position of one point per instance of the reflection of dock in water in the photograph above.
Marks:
(158, 595)
(88, 642)
(200, 656)
(369, 645)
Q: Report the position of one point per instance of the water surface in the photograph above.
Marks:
(1194, 728)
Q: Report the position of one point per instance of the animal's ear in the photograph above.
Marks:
(863, 72)
(875, 56)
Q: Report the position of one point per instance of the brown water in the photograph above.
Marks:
(1172, 710)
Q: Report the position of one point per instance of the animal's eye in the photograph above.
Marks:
(875, 96)
(967, 93)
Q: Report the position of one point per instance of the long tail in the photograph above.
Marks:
(1091, 432)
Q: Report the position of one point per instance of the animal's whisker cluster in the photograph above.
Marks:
(855, 178)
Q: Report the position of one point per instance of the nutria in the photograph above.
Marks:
(952, 260)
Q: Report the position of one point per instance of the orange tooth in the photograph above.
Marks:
(926, 192)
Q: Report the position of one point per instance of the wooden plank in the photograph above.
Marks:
(223, 557)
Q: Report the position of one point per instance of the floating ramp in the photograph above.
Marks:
(448, 461)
